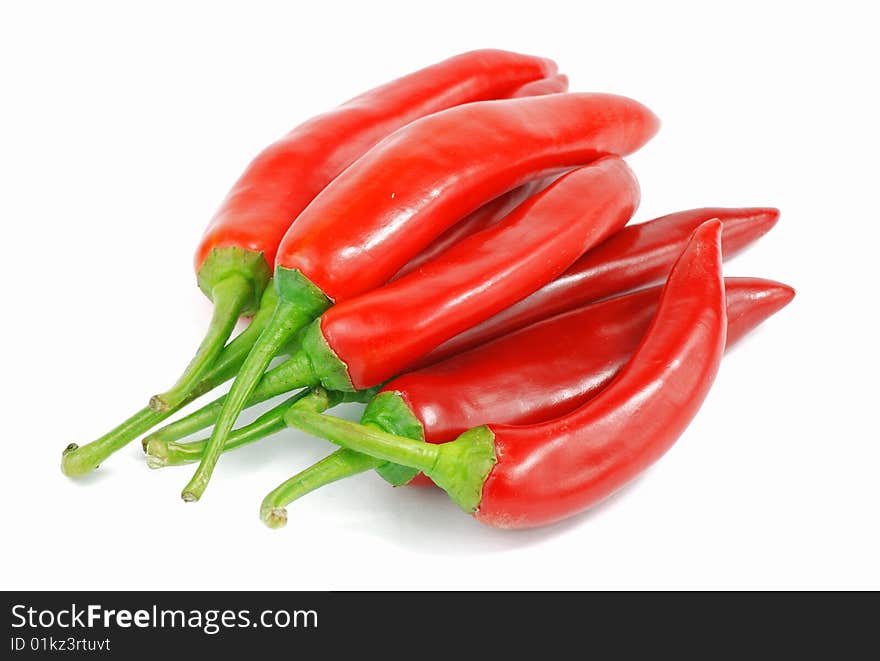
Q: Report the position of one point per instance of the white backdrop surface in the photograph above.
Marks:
(122, 129)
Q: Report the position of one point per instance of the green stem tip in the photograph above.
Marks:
(341, 464)
(275, 517)
(77, 461)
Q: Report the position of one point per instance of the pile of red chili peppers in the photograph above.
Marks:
(454, 249)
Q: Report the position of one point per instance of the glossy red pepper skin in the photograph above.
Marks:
(491, 212)
(484, 217)
(637, 256)
(283, 179)
(377, 215)
(568, 360)
(378, 334)
(551, 470)
(556, 365)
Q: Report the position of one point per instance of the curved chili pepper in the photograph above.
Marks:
(551, 367)
(465, 274)
(634, 257)
(369, 222)
(532, 375)
(640, 257)
(234, 257)
(529, 475)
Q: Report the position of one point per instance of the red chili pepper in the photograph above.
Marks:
(369, 222)
(573, 355)
(522, 476)
(532, 375)
(640, 257)
(234, 257)
(381, 212)
(634, 257)
(233, 260)
(491, 212)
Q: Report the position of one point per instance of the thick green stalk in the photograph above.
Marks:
(386, 411)
(79, 460)
(339, 465)
(230, 296)
(367, 439)
(460, 467)
(299, 302)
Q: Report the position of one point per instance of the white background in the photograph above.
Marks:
(123, 127)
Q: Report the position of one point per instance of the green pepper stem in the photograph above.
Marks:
(293, 373)
(289, 317)
(168, 453)
(230, 296)
(339, 465)
(367, 439)
(77, 461)
(80, 460)
(164, 453)
(460, 467)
